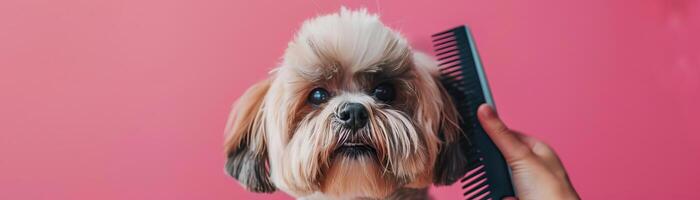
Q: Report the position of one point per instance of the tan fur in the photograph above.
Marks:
(348, 53)
(245, 128)
(245, 120)
(357, 178)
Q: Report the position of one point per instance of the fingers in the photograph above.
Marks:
(515, 146)
(535, 166)
(545, 154)
(512, 148)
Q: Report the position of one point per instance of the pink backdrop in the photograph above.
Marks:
(128, 99)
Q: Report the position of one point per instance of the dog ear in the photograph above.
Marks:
(245, 141)
(440, 114)
(452, 160)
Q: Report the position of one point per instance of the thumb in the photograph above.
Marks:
(512, 148)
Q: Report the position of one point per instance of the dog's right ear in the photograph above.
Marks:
(245, 141)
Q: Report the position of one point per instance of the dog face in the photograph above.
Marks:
(352, 111)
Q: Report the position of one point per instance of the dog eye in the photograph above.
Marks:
(384, 92)
(318, 96)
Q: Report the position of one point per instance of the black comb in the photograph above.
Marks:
(462, 75)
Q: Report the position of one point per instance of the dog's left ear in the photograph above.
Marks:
(245, 141)
(441, 114)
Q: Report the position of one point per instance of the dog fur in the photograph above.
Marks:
(277, 139)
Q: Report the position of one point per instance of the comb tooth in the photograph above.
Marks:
(441, 58)
(439, 44)
(446, 51)
(442, 33)
(473, 175)
(475, 170)
(476, 189)
(456, 65)
(453, 85)
(449, 70)
(445, 55)
(482, 196)
(452, 80)
(445, 36)
(445, 47)
(454, 72)
(449, 61)
(477, 179)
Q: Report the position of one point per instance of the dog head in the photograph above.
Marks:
(352, 111)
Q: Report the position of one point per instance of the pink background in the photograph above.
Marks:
(128, 99)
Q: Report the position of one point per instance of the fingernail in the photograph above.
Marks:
(490, 113)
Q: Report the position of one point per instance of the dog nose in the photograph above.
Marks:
(353, 116)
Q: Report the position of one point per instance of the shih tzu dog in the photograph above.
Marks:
(352, 112)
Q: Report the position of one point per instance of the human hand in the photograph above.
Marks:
(536, 170)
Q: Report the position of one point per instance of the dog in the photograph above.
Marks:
(351, 112)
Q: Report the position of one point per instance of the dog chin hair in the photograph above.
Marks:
(353, 176)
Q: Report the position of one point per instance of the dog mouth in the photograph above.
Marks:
(355, 149)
